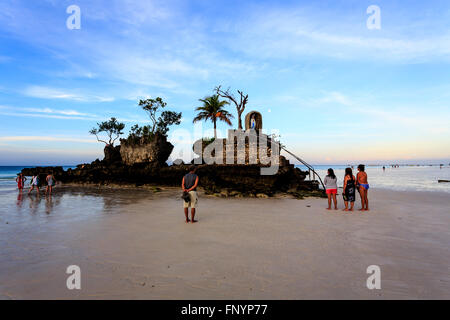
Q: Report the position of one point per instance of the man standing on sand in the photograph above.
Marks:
(363, 187)
(189, 185)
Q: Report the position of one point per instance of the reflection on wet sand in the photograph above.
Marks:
(50, 204)
(34, 203)
(20, 199)
(77, 201)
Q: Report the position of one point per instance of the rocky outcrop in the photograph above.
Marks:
(247, 180)
(145, 164)
(112, 154)
(43, 172)
(57, 171)
(226, 180)
(155, 152)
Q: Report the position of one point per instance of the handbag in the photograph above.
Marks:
(185, 196)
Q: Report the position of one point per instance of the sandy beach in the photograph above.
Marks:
(134, 244)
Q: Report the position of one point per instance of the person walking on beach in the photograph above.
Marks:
(363, 187)
(20, 181)
(348, 192)
(189, 186)
(330, 182)
(50, 183)
(34, 183)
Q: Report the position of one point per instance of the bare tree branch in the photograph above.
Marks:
(240, 107)
(99, 140)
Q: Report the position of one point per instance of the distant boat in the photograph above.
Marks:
(439, 181)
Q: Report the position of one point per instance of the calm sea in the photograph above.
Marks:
(404, 178)
(8, 176)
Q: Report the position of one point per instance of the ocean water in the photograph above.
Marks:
(404, 178)
(8, 176)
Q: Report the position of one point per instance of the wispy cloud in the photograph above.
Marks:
(52, 111)
(46, 113)
(45, 138)
(61, 114)
(5, 59)
(334, 97)
(403, 116)
(301, 32)
(54, 93)
(145, 43)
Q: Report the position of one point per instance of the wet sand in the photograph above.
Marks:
(134, 244)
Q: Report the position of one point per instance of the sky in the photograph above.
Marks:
(333, 89)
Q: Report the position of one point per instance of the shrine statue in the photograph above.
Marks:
(253, 121)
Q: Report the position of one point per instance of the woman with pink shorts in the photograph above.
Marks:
(330, 183)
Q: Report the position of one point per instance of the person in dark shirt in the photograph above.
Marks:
(348, 192)
(189, 185)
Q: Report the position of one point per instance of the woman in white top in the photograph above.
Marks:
(34, 183)
(330, 182)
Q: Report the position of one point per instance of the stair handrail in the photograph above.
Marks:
(310, 167)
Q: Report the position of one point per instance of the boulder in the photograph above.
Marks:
(154, 152)
(57, 171)
(262, 195)
(112, 154)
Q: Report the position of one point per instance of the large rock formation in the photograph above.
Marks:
(214, 179)
(42, 172)
(145, 164)
(112, 154)
(156, 152)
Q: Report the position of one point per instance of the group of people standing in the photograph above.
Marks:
(190, 182)
(35, 183)
(351, 184)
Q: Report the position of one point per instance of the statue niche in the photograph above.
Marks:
(253, 121)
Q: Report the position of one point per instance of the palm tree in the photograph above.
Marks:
(213, 109)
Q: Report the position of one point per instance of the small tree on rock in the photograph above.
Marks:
(112, 128)
(159, 124)
(166, 118)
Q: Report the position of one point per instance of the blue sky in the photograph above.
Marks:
(334, 90)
